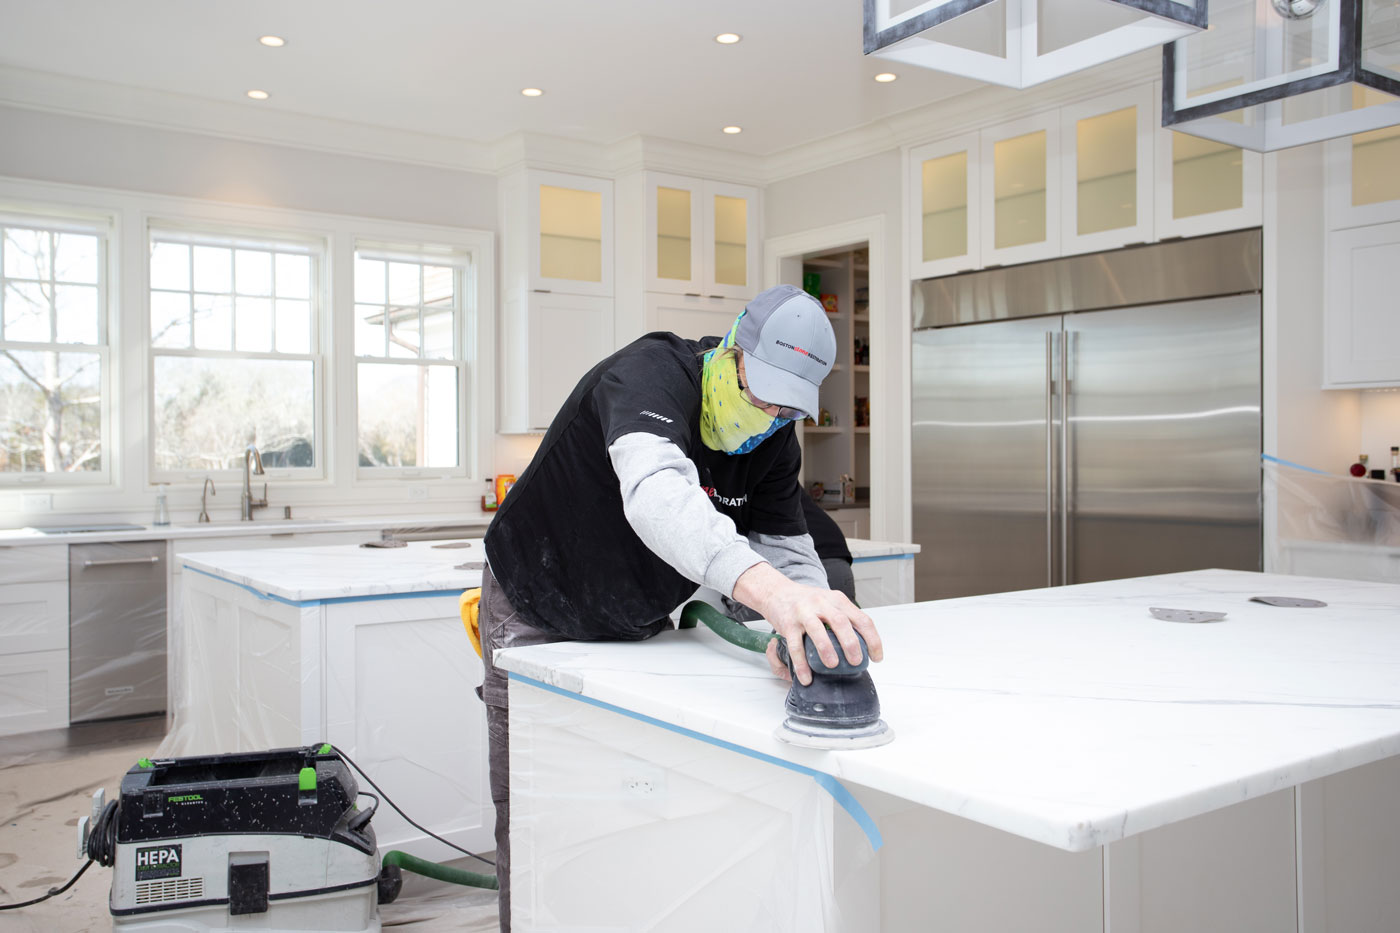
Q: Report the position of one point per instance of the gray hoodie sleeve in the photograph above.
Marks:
(664, 504)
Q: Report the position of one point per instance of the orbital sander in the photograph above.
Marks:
(838, 710)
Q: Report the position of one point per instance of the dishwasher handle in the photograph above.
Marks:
(121, 561)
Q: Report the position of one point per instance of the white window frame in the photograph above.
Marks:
(103, 226)
(216, 233)
(467, 263)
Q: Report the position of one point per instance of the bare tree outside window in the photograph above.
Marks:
(52, 350)
(233, 340)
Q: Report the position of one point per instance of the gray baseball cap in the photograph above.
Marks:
(788, 346)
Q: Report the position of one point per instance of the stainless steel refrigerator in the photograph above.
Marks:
(1088, 418)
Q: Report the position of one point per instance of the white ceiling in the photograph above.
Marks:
(454, 68)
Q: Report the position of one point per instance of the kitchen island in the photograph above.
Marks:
(363, 647)
(1063, 761)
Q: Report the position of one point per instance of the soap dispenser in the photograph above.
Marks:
(162, 508)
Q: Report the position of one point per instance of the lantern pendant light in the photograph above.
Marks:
(1270, 74)
(1018, 43)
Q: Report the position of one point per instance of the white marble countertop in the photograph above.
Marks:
(862, 548)
(310, 574)
(228, 529)
(1068, 716)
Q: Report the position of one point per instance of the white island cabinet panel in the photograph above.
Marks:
(360, 647)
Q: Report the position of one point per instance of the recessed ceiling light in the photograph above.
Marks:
(731, 130)
(258, 95)
(885, 77)
(531, 91)
(275, 42)
(728, 38)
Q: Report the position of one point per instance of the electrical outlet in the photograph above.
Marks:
(36, 502)
(418, 492)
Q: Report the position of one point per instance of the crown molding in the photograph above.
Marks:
(986, 105)
(115, 103)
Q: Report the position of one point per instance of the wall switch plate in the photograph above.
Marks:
(36, 502)
(418, 492)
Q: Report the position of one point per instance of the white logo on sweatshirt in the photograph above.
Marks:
(652, 414)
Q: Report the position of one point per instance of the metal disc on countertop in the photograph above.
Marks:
(1185, 615)
(1288, 602)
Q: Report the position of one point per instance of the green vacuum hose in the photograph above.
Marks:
(736, 633)
(402, 860)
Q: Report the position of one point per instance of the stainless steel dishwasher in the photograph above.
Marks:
(116, 629)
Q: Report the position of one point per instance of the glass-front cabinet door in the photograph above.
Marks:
(675, 234)
(1363, 178)
(730, 220)
(1204, 186)
(1106, 172)
(944, 236)
(571, 217)
(1021, 191)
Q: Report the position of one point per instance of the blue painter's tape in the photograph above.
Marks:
(871, 560)
(329, 601)
(834, 787)
(1296, 466)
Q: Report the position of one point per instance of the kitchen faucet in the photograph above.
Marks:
(204, 499)
(252, 463)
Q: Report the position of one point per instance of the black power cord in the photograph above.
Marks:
(399, 810)
(101, 847)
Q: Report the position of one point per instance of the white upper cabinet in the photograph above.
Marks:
(691, 316)
(1361, 324)
(1204, 186)
(548, 341)
(1020, 179)
(944, 235)
(702, 237)
(570, 233)
(1363, 178)
(1106, 172)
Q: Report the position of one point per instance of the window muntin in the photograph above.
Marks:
(410, 365)
(53, 351)
(235, 353)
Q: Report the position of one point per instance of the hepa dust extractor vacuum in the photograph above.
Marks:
(272, 841)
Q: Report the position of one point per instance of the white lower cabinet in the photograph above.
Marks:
(1361, 319)
(33, 638)
(33, 691)
(884, 581)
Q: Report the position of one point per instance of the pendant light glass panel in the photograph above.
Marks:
(1019, 43)
(1264, 80)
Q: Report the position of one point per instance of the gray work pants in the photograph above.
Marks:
(501, 627)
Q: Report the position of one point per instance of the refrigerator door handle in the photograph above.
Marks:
(1066, 456)
(1049, 458)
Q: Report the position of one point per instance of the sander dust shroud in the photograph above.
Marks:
(838, 710)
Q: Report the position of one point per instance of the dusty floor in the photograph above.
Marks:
(46, 784)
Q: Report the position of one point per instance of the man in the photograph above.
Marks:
(672, 464)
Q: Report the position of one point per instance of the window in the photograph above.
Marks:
(235, 352)
(410, 367)
(53, 351)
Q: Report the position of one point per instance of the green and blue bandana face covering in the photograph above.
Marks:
(729, 422)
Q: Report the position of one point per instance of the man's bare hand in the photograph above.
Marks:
(794, 610)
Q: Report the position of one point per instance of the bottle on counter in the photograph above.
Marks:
(162, 516)
(488, 501)
(1395, 463)
(1359, 467)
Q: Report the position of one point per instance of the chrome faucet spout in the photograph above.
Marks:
(209, 490)
(252, 465)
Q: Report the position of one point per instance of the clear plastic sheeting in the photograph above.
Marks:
(1332, 526)
(621, 823)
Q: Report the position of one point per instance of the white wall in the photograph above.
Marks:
(161, 163)
(864, 188)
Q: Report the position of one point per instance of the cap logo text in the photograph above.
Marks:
(807, 353)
